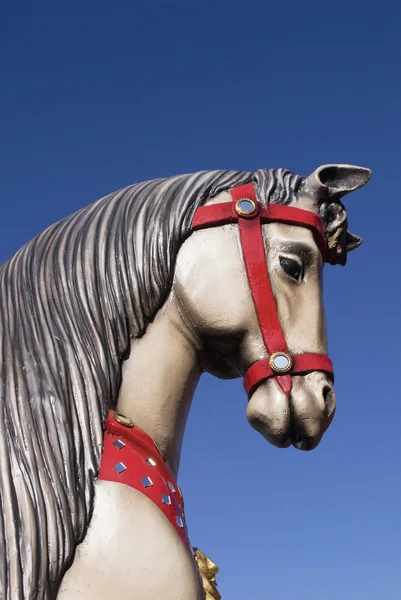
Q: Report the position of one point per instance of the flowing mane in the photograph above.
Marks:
(71, 300)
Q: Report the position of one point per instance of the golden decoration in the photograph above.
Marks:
(245, 211)
(285, 369)
(334, 241)
(207, 570)
(126, 421)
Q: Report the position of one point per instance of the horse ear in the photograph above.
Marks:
(335, 181)
(352, 242)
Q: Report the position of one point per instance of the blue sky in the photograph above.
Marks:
(96, 96)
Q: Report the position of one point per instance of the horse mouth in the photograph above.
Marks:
(301, 442)
(294, 437)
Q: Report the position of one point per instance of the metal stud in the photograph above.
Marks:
(123, 420)
(281, 362)
(120, 467)
(179, 522)
(245, 206)
(119, 444)
(146, 481)
(171, 487)
(166, 499)
(150, 462)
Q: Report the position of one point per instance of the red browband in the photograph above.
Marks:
(250, 214)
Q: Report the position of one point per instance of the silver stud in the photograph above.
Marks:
(280, 362)
(150, 462)
(179, 522)
(171, 487)
(120, 467)
(166, 499)
(119, 444)
(146, 481)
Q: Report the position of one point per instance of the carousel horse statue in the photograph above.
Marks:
(108, 319)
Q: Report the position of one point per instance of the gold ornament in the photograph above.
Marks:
(207, 570)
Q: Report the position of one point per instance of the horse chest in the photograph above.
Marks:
(131, 551)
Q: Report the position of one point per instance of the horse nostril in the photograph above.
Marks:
(329, 400)
(327, 392)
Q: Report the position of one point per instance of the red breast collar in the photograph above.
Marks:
(249, 214)
(131, 457)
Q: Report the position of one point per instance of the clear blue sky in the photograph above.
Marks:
(95, 96)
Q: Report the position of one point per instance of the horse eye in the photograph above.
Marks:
(291, 267)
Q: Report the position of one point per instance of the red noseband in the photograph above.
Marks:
(250, 214)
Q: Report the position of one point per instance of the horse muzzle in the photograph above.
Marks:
(299, 418)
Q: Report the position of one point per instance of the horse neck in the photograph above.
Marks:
(159, 380)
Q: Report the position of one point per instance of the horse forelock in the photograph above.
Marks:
(71, 301)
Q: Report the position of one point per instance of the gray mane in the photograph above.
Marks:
(71, 300)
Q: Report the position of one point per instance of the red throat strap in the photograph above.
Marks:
(250, 214)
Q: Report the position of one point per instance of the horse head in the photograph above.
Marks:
(245, 316)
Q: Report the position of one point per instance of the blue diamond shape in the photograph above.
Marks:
(119, 444)
(179, 522)
(120, 467)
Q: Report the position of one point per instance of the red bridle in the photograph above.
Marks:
(250, 214)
